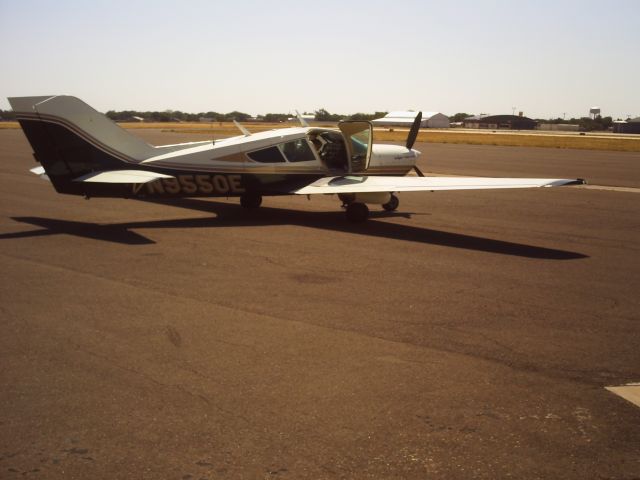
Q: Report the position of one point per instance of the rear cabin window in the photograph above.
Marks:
(267, 155)
(298, 151)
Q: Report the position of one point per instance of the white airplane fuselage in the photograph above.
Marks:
(234, 154)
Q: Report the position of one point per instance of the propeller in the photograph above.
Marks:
(411, 139)
(413, 133)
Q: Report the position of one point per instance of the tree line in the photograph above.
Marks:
(585, 123)
(7, 115)
(321, 115)
(175, 116)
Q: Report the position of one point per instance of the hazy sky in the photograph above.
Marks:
(543, 57)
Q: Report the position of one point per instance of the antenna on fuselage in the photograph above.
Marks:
(303, 122)
(244, 131)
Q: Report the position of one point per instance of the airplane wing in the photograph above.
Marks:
(121, 176)
(363, 184)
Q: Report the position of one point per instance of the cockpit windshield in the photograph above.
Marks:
(360, 142)
(358, 135)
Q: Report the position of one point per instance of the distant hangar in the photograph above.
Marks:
(628, 126)
(406, 118)
(494, 122)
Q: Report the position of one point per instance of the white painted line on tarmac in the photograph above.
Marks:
(613, 189)
(630, 392)
(587, 186)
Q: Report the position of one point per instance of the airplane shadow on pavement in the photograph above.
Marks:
(231, 215)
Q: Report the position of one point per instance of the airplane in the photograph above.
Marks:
(82, 152)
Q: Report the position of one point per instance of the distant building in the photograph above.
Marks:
(406, 118)
(628, 126)
(559, 127)
(495, 122)
(309, 118)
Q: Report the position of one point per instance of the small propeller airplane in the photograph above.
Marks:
(82, 152)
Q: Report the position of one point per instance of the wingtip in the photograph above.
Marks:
(566, 182)
(577, 181)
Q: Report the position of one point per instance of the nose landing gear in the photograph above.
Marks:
(392, 204)
(357, 212)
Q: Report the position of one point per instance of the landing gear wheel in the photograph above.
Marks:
(346, 198)
(251, 200)
(392, 204)
(357, 212)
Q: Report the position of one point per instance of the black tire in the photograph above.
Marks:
(346, 198)
(251, 200)
(357, 212)
(392, 204)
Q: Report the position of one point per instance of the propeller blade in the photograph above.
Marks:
(413, 133)
(418, 171)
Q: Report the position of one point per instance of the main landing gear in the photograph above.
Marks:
(358, 212)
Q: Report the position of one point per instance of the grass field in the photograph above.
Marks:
(584, 142)
(509, 140)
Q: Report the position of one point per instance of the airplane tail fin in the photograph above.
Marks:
(70, 139)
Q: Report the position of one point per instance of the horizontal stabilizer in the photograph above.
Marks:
(362, 184)
(121, 176)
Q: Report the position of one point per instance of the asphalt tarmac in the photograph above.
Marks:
(468, 335)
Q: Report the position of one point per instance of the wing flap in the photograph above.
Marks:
(121, 176)
(366, 184)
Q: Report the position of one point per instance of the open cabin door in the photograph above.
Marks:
(358, 137)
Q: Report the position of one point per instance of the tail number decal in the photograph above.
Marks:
(201, 183)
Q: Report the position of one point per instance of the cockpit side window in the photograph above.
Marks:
(267, 155)
(298, 151)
